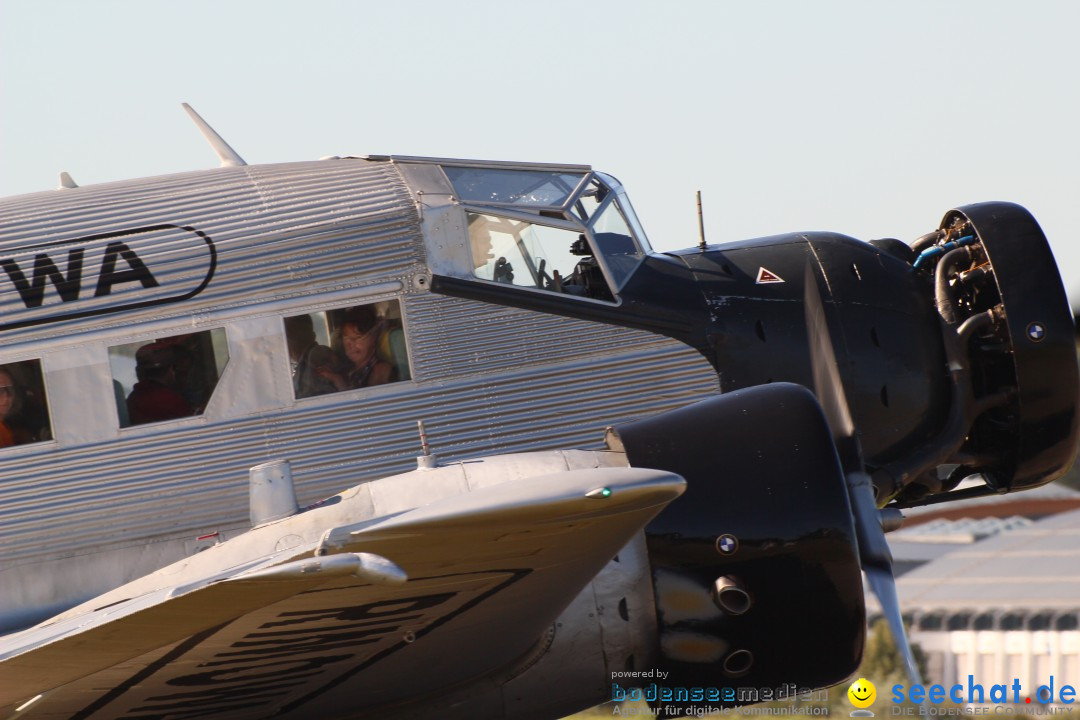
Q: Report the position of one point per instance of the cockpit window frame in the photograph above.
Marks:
(629, 214)
(565, 216)
(605, 262)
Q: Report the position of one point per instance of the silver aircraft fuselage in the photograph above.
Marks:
(97, 505)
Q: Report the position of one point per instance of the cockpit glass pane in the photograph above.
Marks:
(615, 243)
(627, 209)
(533, 188)
(527, 254)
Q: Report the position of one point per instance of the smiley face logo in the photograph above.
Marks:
(862, 693)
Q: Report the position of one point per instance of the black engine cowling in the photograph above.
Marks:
(957, 355)
(755, 568)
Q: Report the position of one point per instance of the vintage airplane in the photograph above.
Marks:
(210, 385)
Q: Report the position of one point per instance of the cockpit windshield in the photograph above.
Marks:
(615, 242)
(563, 232)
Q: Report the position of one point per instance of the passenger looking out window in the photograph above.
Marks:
(167, 378)
(156, 396)
(360, 330)
(366, 348)
(24, 416)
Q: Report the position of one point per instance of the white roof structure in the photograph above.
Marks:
(1024, 578)
(931, 531)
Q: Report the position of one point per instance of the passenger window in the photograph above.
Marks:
(167, 378)
(347, 349)
(526, 254)
(24, 410)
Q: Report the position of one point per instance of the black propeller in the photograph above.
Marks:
(874, 554)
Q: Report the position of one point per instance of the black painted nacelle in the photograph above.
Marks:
(755, 568)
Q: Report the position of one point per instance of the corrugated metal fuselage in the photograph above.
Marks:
(240, 248)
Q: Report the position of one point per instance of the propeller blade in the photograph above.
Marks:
(883, 584)
(874, 553)
(828, 386)
(877, 563)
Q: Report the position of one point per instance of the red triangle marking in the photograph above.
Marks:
(766, 276)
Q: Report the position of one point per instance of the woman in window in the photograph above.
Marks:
(360, 331)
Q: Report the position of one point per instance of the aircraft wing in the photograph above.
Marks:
(487, 572)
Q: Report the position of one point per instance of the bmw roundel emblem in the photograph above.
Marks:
(1036, 331)
(727, 544)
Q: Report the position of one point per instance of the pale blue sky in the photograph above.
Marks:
(867, 118)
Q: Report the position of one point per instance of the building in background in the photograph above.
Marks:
(992, 588)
